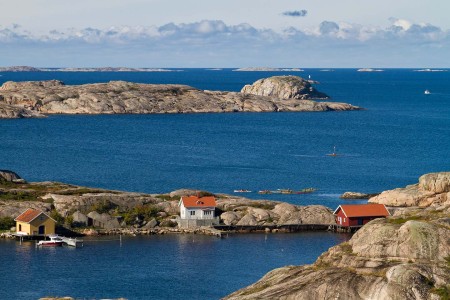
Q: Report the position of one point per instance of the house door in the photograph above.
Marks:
(42, 229)
(360, 221)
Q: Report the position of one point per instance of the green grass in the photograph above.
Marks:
(19, 196)
(347, 248)
(80, 191)
(404, 220)
(443, 292)
(265, 206)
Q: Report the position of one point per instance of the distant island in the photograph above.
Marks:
(103, 69)
(369, 70)
(430, 70)
(267, 69)
(274, 94)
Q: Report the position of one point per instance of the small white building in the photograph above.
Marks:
(197, 211)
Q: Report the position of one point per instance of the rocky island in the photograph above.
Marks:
(139, 213)
(406, 256)
(39, 98)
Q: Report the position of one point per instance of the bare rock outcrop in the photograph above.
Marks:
(386, 259)
(86, 201)
(15, 208)
(357, 195)
(34, 98)
(284, 87)
(17, 112)
(402, 257)
(246, 212)
(432, 189)
(9, 176)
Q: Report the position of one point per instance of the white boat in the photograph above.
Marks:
(54, 240)
(74, 242)
(427, 92)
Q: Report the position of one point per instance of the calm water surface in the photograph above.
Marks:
(153, 267)
(402, 135)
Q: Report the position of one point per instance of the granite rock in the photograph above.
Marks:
(400, 257)
(432, 189)
(356, 195)
(34, 98)
(284, 87)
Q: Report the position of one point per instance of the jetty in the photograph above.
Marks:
(273, 228)
(73, 242)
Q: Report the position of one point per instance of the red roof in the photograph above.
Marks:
(28, 215)
(364, 210)
(194, 201)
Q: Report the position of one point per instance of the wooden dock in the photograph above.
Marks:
(287, 228)
(348, 229)
(274, 228)
(74, 242)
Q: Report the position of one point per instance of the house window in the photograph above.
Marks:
(207, 212)
(192, 212)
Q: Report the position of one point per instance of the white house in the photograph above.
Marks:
(197, 208)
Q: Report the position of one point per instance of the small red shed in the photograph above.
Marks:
(359, 214)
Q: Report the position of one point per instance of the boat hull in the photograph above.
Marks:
(50, 244)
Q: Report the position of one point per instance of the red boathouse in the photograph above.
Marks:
(359, 214)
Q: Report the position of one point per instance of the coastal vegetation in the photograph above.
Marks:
(72, 206)
(6, 223)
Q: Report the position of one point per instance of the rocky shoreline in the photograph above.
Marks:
(406, 256)
(117, 212)
(41, 98)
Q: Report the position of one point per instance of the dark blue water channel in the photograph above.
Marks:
(153, 267)
(401, 135)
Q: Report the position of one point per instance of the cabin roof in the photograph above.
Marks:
(29, 215)
(363, 210)
(194, 201)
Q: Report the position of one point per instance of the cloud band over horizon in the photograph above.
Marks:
(214, 43)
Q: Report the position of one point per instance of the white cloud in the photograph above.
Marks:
(214, 39)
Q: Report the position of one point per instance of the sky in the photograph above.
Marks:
(231, 33)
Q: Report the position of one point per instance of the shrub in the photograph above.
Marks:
(103, 206)
(140, 213)
(18, 196)
(6, 223)
(168, 223)
(443, 292)
(57, 217)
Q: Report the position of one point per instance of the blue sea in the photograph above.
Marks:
(401, 134)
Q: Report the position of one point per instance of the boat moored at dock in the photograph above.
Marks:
(56, 240)
(53, 241)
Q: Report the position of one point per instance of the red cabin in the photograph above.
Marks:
(359, 214)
